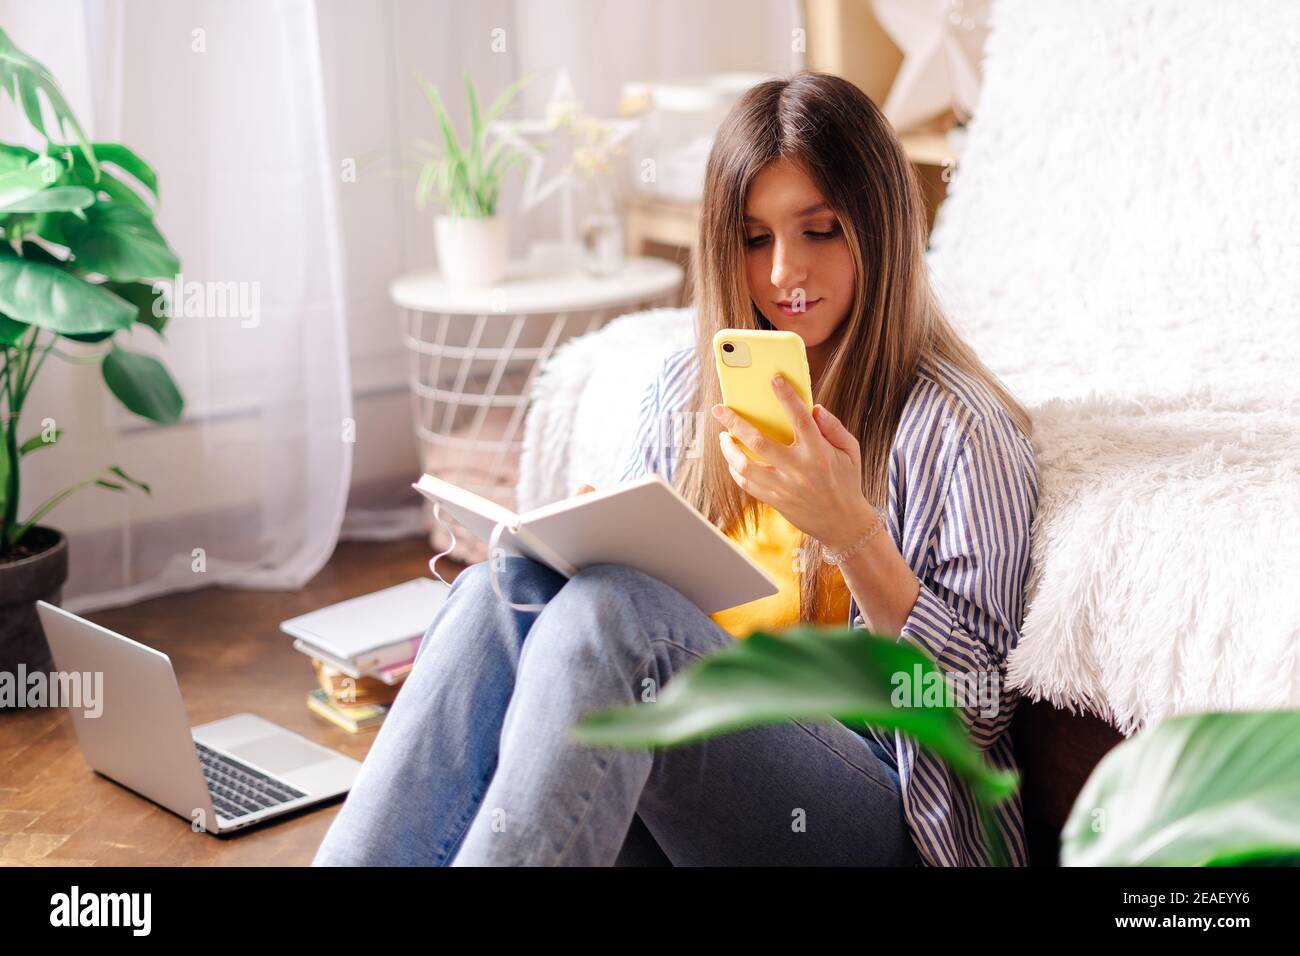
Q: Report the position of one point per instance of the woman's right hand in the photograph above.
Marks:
(583, 489)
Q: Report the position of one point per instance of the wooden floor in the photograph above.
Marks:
(230, 657)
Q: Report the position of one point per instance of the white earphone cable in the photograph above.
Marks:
(497, 554)
(496, 557)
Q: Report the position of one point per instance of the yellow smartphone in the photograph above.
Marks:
(747, 360)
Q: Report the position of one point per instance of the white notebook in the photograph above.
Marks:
(373, 630)
(643, 523)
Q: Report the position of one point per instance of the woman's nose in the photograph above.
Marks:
(788, 271)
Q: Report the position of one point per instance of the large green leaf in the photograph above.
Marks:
(13, 156)
(119, 242)
(90, 338)
(49, 227)
(802, 672)
(1195, 790)
(47, 295)
(120, 192)
(19, 180)
(104, 183)
(11, 332)
(151, 303)
(25, 79)
(128, 161)
(142, 384)
(55, 199)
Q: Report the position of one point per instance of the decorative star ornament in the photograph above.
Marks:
(589, 140)
(942, 43)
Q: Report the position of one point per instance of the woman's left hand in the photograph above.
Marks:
(814, 482)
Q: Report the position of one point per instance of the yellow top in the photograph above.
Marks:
(774, 546)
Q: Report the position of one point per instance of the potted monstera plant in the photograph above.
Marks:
(77, 269)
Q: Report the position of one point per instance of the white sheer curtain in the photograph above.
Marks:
(277, 128)
(225, 100)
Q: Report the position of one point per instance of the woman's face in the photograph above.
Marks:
(795, 251)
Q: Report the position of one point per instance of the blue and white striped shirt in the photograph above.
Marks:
(963, 491)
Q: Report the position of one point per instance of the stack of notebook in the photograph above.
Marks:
(362, 649)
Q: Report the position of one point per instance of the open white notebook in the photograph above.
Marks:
(643, 523)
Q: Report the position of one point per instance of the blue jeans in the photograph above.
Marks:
(474, 765)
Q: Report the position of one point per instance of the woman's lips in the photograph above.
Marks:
(792, 310)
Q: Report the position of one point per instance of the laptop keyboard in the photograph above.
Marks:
(237, 789)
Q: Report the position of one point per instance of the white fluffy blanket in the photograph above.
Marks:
(586, 401)
(1122, 244)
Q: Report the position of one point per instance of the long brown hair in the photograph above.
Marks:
(849, 151)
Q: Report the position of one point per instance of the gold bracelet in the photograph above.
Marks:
(839, 557)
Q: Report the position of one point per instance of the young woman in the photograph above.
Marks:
(904, 505)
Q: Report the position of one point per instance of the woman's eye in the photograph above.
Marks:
(820, 236)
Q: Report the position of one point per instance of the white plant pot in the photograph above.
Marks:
(472, 252)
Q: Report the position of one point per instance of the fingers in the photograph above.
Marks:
(583, 489)
(805, 428)
(833, 429)
(741, 482)
(745, 472)
(753, 439)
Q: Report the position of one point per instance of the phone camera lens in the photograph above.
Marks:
(728, 347)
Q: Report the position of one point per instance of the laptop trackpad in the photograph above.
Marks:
(277, 753)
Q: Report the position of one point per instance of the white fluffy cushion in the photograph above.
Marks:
(1122, 243)
(586, 403)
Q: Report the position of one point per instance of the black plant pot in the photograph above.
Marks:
(38, 576)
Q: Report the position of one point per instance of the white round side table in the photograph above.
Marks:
(474, 353)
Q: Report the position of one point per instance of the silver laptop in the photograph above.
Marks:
(221, 776)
